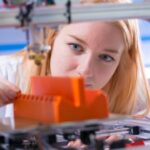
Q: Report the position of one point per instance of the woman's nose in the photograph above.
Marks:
(85, 66)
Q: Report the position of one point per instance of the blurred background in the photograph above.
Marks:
(13, 39)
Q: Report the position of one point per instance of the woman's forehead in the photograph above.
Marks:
(94, 31)
(95, 28)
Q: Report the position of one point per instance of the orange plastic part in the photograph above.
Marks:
(61, 99)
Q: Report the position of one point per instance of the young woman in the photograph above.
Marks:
(105, 54)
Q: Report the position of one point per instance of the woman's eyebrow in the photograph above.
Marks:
(78, 39)
(82, 41)
(112, 51)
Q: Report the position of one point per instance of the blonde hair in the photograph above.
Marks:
(122, 88)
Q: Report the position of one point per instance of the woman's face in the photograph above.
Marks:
(92, 50)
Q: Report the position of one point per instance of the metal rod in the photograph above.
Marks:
(54, 15)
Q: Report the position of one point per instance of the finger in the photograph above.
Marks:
(101, 137)
(113, 138)
(12, 95)
(3, 98)
(7, 92)
(7, 84)
(70, 144)
(76, 144)
(7, 95)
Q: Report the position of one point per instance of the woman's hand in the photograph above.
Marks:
(77, 144)
(8, 92)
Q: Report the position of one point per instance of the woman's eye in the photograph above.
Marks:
(75, 47)
(106, 58)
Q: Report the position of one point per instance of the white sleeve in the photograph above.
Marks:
(8, 70)
(8, 67)
(2, 67)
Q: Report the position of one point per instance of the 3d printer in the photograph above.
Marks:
(68, 95)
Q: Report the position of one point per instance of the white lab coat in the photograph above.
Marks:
(8, 70)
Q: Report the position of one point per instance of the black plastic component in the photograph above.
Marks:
(52, 139)
(24, 15)
(22, 140)
(68, 11)
(134, 130)
(1, 148)
(5, 2)
(99, 144)
(119, 144)
(93, 126)
(2, 139)
(85, 136)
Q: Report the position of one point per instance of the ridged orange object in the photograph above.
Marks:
(61, 99)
